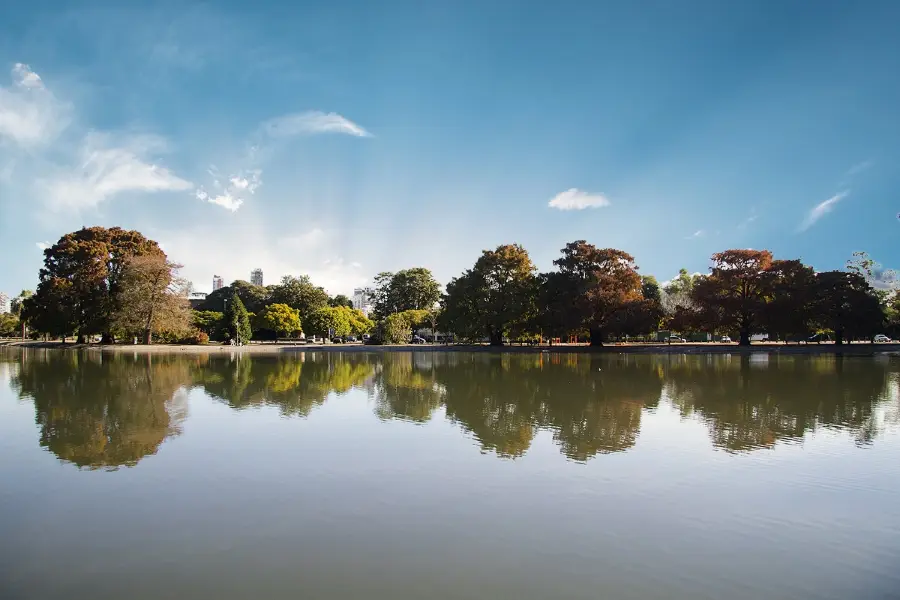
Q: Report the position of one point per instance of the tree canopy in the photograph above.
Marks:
(280, 318)
(409, 289)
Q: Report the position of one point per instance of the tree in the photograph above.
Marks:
(254, 297)
(735, 293)
(329, 321)
(151, 298)
(9, 325)
(409, 289)
(79, 283)
(395, 329)
(280, 318)
(790, 310)
(847, 305)
(495, 298)
(650, 289)
(237, 321)
(300, 293)
(210, 322)
(340, 300)
(360, 324)
(17, 306)
(601, 282)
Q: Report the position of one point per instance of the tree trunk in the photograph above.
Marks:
(596, 337)
(107, 338)
(79, 339)
(148, 336)
(745, 338)
(496, 338)
(838, 337)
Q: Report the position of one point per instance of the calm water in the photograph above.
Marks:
(448, 476)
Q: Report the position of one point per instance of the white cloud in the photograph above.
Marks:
(746, 222)
(859, 168)
(43, 245)
(304, 241)
(230, 197)
(575, 199)
(696, 234)
(108, 169)
(821, 209)
(312, 122)
(29, 114)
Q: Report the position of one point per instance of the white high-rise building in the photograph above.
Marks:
(256, 277)
(4, 303)
(218, 282)
(362, 299)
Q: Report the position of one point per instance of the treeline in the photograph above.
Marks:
(598, 293)
(117, 284)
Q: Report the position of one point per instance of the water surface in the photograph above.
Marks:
(448, 475)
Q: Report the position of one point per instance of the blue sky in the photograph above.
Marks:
(340, 139)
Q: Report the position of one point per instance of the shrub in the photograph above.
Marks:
(196, 338)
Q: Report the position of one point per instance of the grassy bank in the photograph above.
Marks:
(856, 349)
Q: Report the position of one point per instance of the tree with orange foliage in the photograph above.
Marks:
(736, 291)
(601, 284)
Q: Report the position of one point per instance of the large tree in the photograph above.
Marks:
(601, 284)
(80, 280)
(300, 293)
(152, 298)
(735, 293)
(847, 305)
(409, 289)
(254, 297)
(790, 310)
(280, 318)
(495, 298)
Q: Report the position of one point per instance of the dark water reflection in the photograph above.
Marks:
(107, 411)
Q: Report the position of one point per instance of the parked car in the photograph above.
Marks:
(675, 339)
(881, 339)
(337, 340)
(725, 339)
(417, 340)
(350, 338)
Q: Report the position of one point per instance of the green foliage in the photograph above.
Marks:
(410, 289)
(237, 321)
(9, 325)
(280, 318)
(495, 298)
(650, 288)
(329, 321)
(254, 297)
(299, 293)
(395, 329)
(340, 300)
(210, 322)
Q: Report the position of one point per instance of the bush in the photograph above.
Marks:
(196, 338)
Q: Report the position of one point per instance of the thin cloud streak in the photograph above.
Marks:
(311, 123)
(822, 209)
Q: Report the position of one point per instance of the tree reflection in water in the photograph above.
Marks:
(108, 411)
(103, 412)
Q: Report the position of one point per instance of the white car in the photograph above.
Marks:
(725, 339)
(881, 338)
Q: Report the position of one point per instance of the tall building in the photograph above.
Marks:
(218, 283)
(362, 299)
(4, 303)
(256, 277)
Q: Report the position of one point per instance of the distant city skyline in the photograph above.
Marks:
(4, 303)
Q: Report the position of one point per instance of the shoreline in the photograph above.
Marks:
(857, 349)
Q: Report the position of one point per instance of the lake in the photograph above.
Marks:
(448, 475)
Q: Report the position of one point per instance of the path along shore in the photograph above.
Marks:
(855, 349)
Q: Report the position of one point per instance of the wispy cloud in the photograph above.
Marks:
(575, 199)
(311, 122)
(43, 245)
(746, 222)
(29, 114)
(696, 234)
(230, 195)
(859, 168)
(108, 169)
(821, 209)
